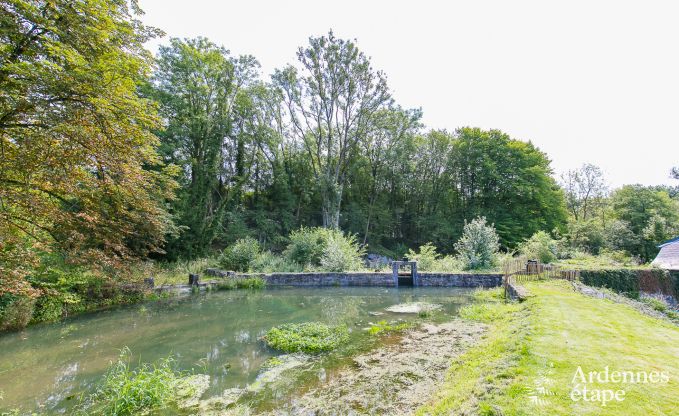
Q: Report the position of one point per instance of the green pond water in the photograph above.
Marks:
(218, 333)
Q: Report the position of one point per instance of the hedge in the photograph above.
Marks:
(630, 282)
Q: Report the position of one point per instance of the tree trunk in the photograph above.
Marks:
(332, 199)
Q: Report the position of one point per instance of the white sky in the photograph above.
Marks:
(587, 81)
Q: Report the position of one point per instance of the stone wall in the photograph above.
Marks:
(365, 279)
(517, 292)
(460, 280)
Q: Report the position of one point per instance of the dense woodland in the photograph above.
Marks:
(111, 156)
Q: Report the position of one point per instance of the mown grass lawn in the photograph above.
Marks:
(527, 363)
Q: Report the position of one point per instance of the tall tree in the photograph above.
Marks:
(74, 134)
(585, 191)
(202, 92)
(507, 181)
(332, 101)
(651, 214)
(390, 129)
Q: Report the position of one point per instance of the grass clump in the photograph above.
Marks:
(127, 391)
(656, 304)
(308, 337)
(247, 283)
(383, 327)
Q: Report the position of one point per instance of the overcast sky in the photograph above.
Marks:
(586, 81)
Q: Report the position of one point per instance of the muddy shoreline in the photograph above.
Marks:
(392, 380)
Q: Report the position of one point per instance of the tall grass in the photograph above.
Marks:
(127, 391)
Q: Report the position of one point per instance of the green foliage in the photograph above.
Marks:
(383, 327)
(247, 283)
(128, 391)
(624, 281)
(507, 181)
(309, 337)
(604, 260)
(341, 253)
(203, 94)
(268, 262)
(79, 173)
(656, 304)
(587, 236)
(541, 246)
(241, 255)
(330, 138)
(426, 258)
(307, 245)
(15, 311)
(324, 249)
(651, 216)
(478, 245)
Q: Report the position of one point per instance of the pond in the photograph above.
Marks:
(45, 366)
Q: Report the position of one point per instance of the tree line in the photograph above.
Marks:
(110, 154)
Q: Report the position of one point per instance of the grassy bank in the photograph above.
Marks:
(527, 364)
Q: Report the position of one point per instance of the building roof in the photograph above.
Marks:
(674, 240)
(668, 257)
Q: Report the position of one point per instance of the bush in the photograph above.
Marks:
(307, 245)
(541, 246)
(309, 337)
(341, 253)
(267, 262)
(240, 255)
(478, 245)
(15, 311)
(49, 307)
(448, 264)
(324, 248)
(426, 258)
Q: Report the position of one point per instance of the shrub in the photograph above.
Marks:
(341, 253)
(478, 245)
(309, 337)
(541, 246)
(124, 391)
(324, 248)
(16, 311)
(240, 255)
(267, 262)
(307, 245)
(426, 258)
(49, 307)
(448, 264)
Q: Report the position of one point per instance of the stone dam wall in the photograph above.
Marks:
(382, 279)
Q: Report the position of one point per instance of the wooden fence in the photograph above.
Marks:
(521, 269)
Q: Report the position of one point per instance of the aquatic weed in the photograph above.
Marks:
(309, 337)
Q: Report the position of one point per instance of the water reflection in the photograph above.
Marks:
(218, 333)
